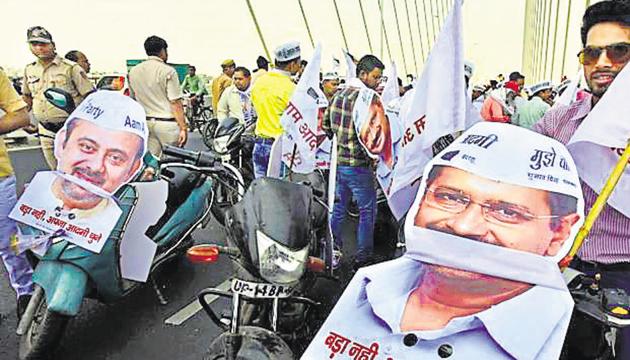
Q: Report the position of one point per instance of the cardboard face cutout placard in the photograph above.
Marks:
(99, 149)
(484, 235)
(379, 132)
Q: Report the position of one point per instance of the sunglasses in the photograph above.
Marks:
(618, 53)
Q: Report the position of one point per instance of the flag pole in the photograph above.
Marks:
(598, 206)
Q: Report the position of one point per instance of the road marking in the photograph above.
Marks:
(191, 309)
(24, 148)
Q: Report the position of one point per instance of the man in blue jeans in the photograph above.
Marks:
(355, 175)
(270, 96)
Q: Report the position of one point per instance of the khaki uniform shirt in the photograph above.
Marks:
(154, 85)
(218, 85)
(60, 73)
(10, 101)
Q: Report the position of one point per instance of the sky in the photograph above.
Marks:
(205, 32)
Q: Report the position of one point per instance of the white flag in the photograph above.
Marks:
(436, 108)
(601, 138)
(301, 137)
(570, 93)
(352, 67)
(336, 64)
(390, 91)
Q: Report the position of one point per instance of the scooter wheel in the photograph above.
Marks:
(44, 333)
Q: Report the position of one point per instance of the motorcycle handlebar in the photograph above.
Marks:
(199, 158)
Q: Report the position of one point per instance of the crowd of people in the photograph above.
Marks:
(262, 95)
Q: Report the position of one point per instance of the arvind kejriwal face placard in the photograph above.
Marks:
(480, 278)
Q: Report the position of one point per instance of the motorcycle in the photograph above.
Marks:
(277, 256)
(598, 316)
(234, 142)
(67, 273)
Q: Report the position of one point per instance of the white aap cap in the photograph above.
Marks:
(288, 51)
(544, 85)
(114, 111)
(331, 75)
(479, 88)
(513, 155)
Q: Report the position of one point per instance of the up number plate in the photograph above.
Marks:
(260, 290)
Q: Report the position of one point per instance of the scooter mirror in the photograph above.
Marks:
(60, 99)
(204, 253)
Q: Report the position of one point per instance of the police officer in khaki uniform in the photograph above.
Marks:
(50, 70)
(155, 85)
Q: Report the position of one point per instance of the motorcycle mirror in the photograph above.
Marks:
(204, 253)
(60, 99)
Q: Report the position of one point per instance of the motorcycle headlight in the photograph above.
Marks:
(279, 264)
(220, 144)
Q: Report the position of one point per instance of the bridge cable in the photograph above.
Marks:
(426, 27)
(367, 33)
(413, 47)
(343, 34)
(402, 49)
(389, 50)
(555, 38)
(432, 21)
(419, 32)
(548, 27)
(308, 29)
(566, 37)
(260, 35)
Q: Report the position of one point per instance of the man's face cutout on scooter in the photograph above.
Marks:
(99, 149)
(102, 144)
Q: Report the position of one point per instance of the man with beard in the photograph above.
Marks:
(606, 39)
(355, 177)
(480, 279)
(50, 70)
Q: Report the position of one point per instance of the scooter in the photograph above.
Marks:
(277, 255)
(66, 273)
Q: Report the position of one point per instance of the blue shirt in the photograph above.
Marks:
(531, 325)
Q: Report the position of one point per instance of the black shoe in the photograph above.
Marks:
(22, 303)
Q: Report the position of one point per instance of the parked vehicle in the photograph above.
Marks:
(598, 317)
(114, 82)
(67, 273)
(234, 141)
(277, 236)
